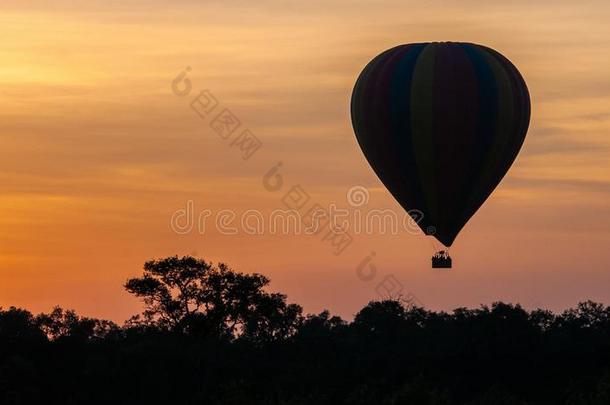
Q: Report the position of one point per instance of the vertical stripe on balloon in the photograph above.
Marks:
(422, 125)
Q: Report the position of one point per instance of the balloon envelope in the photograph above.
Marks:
(440, 124)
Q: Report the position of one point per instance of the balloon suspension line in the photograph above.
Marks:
(433, 244)
(437, 247)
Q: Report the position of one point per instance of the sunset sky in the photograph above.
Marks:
(97, 152)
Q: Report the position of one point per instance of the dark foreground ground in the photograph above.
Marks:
(216, 337)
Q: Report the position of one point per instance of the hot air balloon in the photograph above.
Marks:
(440, 123)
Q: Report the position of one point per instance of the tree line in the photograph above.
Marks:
(211, 335)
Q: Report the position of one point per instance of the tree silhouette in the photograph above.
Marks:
(66, 324)
(209, 334)
(193, 296)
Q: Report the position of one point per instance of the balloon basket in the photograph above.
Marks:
(441, 260)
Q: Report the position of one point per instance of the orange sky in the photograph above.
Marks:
(97, 152)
